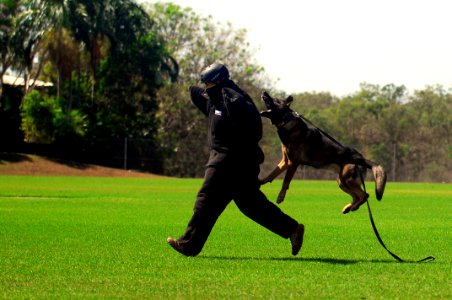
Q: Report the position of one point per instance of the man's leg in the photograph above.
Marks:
(255, 205)
(211, 201)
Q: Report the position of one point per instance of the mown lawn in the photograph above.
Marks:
(81, 237)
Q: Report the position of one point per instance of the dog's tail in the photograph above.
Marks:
(380, 180)
(379, 176)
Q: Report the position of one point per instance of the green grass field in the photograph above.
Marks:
(74, 237)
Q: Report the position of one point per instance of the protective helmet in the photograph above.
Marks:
(214, 72)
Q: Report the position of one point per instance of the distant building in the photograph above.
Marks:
(19, 81)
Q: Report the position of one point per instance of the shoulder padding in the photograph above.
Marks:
(231, 95)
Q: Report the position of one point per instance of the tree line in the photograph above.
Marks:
(409, 134)
(122, 70)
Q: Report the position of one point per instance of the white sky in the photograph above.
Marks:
(334, 45)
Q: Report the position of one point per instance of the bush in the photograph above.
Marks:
(44, 120)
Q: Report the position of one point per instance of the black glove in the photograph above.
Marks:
(196, 91)
(199, 98)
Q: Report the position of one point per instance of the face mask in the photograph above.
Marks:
(214, 92)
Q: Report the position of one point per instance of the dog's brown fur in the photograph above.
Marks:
(303, 143)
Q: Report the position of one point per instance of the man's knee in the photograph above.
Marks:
(251, 203)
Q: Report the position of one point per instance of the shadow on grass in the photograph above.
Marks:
(16, 158)
(68, 163)
(12, 157)
(334, 261)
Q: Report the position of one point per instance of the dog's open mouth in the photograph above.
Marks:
(267, 100)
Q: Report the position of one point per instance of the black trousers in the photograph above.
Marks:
(222, 184)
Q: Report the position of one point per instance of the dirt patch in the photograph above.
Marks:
(33, 165)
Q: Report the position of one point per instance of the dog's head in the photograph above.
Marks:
(278, 111)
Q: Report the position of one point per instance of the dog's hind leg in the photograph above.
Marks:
(350, 182)
(292, 167)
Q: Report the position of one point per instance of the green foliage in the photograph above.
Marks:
(6, 24)
(128, 79)
(194, 42)
(382, 151)
(37, 116)
(8, 11)
(106, 62)
(44, 120)
(74, 237)
(68, 124)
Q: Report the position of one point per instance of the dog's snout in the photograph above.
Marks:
(266, 98)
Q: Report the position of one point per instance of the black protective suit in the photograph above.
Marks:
(232, 170)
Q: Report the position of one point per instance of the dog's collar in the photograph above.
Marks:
(289, 124)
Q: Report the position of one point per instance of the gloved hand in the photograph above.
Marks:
(196, 92)
(199, 98)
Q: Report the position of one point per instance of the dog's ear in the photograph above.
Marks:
(288, 100)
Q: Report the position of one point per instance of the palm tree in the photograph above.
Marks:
(8, 11)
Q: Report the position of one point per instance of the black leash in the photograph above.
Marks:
(427, 259)
(319, 129)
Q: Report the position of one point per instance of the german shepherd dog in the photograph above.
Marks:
(305, 144)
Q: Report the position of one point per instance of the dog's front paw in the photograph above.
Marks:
(281, 197)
